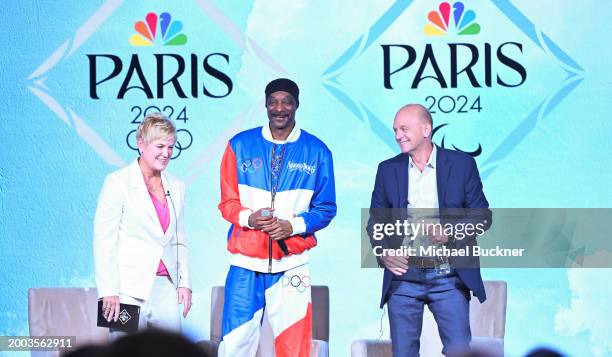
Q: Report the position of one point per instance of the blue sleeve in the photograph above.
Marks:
(380, 211)
(323, 203)
(476, 206)
(474, 196)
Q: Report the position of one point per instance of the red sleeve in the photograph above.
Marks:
(230, 206)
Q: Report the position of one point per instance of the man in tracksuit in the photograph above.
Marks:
(277, 190)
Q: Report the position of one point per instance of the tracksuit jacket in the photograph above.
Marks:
(305, 196)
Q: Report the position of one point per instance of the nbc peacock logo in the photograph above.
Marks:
(158, 30)
(463, 21)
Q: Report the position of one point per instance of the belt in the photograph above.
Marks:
(421, 263)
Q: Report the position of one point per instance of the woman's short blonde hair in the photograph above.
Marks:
(154, 127)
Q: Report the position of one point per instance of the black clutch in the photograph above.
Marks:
(127, 321)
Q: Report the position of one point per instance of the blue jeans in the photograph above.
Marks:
(447, 298)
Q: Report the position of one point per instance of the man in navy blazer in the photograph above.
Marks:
(427, 176)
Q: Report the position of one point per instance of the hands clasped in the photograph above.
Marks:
(265, 221)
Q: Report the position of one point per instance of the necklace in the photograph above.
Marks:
(275, 171)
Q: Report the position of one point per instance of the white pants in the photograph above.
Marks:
(160, 311)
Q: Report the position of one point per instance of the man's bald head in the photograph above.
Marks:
(413, 128)
(419, 110)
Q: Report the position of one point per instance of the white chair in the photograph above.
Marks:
(65, 312)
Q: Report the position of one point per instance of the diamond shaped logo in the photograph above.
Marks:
(163, 31)
(124, 316)
(478, 104)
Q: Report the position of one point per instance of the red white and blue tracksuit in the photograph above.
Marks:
(262, 275)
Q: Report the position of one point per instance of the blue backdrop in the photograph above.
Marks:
(522, 85)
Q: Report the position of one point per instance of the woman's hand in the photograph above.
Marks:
(110, 307)
(184, 297)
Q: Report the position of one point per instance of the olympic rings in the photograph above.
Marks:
(184, 139)
(299, 283)
(250, 165)
(178, 145)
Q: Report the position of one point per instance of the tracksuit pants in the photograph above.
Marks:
(285, 299)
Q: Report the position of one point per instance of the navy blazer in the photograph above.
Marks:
(459, 186)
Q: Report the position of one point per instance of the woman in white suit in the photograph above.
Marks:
(140, 252)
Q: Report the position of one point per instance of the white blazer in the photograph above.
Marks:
(128, 237)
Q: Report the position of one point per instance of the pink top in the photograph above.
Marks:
(163, 213)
